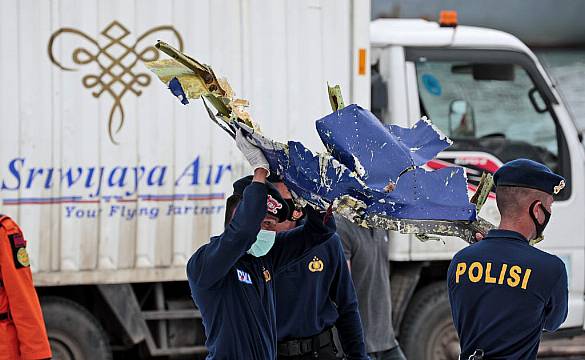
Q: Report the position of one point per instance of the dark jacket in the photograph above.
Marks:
(316, 292)
(234, 290)
(503, 293)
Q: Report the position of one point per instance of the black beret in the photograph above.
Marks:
(529, 174)
(275, 205)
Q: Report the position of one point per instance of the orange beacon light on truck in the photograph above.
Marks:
(448, 18)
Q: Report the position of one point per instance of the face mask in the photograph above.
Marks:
(263, 244)
(539, 227)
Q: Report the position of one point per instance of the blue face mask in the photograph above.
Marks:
(263, 244)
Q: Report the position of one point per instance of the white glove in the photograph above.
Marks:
(251, 152)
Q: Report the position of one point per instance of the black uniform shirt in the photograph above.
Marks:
(503, 293)
(234, 290)
(314, 293)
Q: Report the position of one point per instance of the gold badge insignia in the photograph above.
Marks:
(316, 265)
(559, 187)
(22, 257)
(267, 276)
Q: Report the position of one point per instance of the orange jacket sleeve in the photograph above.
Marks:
(23, 303)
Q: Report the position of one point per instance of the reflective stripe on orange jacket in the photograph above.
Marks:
(22, 334)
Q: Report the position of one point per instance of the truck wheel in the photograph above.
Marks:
(427, 331)
(74, 333)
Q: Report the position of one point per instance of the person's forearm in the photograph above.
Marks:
(260, 175)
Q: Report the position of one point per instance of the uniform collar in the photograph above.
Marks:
(509, 234)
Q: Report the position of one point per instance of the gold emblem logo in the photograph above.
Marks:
(116, 60)
(267, 276)
(22, 257)
(316, 265)
(559, 187)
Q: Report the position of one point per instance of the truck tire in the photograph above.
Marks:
(74, 333)
(427, 331)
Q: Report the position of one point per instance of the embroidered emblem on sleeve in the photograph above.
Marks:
(273, 205)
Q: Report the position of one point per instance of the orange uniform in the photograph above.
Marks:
(22, 328)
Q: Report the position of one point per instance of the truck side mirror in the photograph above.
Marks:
(461, 120)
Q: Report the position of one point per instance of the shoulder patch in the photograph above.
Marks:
(22, 257)
(18, 245)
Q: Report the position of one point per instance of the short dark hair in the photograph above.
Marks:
(230, 205)
(511, 200)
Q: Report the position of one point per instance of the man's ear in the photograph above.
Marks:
(537, 210)
(232, 203)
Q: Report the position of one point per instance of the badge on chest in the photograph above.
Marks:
(244, 277)
(316, 265)
(266, 274)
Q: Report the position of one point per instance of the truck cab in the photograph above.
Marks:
(487, 91)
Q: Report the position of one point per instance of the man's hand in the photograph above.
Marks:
(251, 152)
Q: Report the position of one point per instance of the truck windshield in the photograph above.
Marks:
(493, 108)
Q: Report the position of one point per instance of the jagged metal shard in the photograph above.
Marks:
(355, 133)
(389, 154)
(365, 157)
(370, 174)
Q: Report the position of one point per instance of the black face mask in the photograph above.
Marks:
(539, 227)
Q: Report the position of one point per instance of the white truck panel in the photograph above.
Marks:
(418, 32)
(97, 212)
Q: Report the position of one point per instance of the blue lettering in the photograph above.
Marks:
(49, 179)
(69, 176)
(88, 181)
(118, 177)
(152, 176)
(114, 209)
(138, 174)
(209, 170)
(32, 173)
(12, 167)
(220, 171)
(121, 180)
(69, 210)
(191, 170)
(79, 213)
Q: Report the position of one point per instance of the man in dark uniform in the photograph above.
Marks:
(503, 291)
(313, 294)
(231, 276)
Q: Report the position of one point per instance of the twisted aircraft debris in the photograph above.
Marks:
(371, 173)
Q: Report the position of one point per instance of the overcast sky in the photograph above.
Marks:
(536, 22)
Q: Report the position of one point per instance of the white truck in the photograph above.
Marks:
(116, 184)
